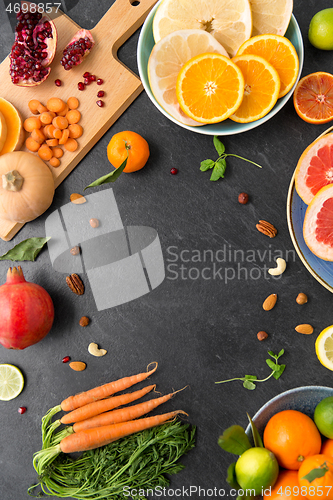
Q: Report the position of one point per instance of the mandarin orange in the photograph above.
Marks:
(128, 145)
(315, 477)
(286, 487)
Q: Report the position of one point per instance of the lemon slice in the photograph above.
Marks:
(324, 347)
(229, 21)
(11, 382)
(167, 59)
(271, 17)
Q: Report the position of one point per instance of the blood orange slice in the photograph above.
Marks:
(313, 98)
(318, 224)
(315, 168)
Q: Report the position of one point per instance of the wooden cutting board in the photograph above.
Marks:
(121, 85)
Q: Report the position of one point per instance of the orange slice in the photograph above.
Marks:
(279, 52)
(209, 88)
(313, 98)
(318, 224)
(314, 169)
(261, 91)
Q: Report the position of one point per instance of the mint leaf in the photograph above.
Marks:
(271, 364)
(249, 385)
(234, 440)
(280, 353)
(206, 165)
(219, 146)
(251, 377)
(219, 170)
(277, 373)
(316, 473)
(25, 250)
(111, 177)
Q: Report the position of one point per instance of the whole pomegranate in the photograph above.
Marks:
(34, 47)
(27, 311)
(77, 49)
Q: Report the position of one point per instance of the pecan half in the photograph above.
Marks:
(266, 228)
(75, 284)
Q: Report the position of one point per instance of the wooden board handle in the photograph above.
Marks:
(120, 22)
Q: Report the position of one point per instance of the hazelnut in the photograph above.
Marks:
(75, 250)
(262, 335)
(243, 198)
(84, 321)
(94, 223)
(301, 298)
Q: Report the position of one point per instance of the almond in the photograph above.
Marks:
(305, 329)
(77, 198)
(78, 366)
(270, 302)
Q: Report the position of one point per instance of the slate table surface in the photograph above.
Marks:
(199, 330)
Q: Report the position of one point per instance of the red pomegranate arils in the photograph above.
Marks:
(22, 410)
(86, 74)
(66, 359)
(100, 103)
(77, 49)
(100, 81)
(92, 78)
(174, 171)
(58, 82)
(81, 86)
(100, 93)
(86, 81)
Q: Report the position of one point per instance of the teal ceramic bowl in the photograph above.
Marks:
(227, 127)
(304, 399)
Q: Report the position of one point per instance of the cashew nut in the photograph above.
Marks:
(95, 351)
(279, 269)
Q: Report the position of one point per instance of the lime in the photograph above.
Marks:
(11, 382)
(321, 29)
(256, 469)
(323, 417)
(324, 347)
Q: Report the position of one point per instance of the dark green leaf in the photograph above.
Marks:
(234, 440)
(111, 177)
(231, 477)
(249, 385)
(255, 434)
(26, 250)
(251, 377)
(219, 146)
(316, 473)
(206, 165)
(277, 374)
(218, 171)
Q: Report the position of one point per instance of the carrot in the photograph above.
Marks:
(100, 436)
(91, 409)
(123, 414)
(105, 390)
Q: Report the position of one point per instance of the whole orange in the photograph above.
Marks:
(292, 436)
(327, 448)
(128, 144)
(286, 487)
(320, 466)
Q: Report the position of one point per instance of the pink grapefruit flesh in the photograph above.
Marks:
(315, 168)
(318, 224)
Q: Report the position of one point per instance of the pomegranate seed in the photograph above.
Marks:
(100, 103)
(100, 81)
(100, 93)
(22, 409)
(174, 171)
(66, 359)
(58, 82)
(81, 86)
(92, 78)
(86, 74)
(86, 81)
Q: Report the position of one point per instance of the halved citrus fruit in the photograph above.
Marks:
(279, 52)
(230, 22)
(209, 88)
(166, 60)
(271, 16)
(314, 169)
(313, 98)
(318, 224)
(324, 347)
(261, 88)
(11, 382)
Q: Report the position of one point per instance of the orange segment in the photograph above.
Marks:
(262, 87)
(209, 88)
(313, 98)
(279, 52)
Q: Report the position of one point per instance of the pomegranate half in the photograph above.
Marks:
(27, 311)
(77, 49)
(34, 47)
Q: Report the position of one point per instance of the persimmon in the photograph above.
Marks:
(292, 436)
(286, 487)
(128, 145)
(315, 477)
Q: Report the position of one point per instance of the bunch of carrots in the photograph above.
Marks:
(97, 420)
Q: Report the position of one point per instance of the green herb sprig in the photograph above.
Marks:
(249, 381)
(220, 164)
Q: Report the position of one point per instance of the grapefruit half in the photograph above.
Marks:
(318, 224)
(315, 168)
